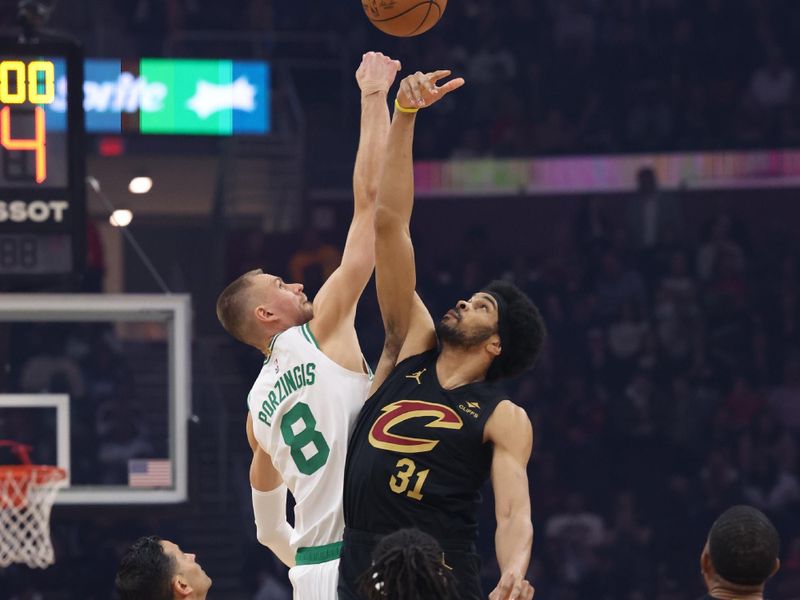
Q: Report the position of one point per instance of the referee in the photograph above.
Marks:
(741, 554)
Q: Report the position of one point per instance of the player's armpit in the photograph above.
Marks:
(509, 430)
(335, 304)
(421, 337)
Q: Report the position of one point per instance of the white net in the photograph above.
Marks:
(26, 499)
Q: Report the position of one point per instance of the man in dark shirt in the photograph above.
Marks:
(741, 554)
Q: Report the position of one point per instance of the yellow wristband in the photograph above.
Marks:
(403, 109)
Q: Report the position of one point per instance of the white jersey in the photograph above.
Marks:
(304, 407)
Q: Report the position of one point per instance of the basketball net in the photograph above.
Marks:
(27, 493)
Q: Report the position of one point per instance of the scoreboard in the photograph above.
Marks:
(42, 160)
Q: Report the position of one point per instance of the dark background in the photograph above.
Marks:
(669, 388)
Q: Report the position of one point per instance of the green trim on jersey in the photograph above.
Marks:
(315, 555)
(370, 374)
(270, 347)
(310, 335)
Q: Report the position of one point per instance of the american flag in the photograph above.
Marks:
(148, 472)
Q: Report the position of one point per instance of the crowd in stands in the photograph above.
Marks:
(669, 389)
(544, 76)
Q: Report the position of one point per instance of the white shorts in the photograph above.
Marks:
(315, 582)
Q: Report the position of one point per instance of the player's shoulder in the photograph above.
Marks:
(509, 420)
(298, 336)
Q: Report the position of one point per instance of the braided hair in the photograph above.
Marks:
(407, 565)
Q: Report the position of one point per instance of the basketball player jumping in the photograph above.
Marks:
(437, 427)
(314, 380)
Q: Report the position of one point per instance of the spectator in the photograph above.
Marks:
(617, 285)
(741, 554)
(653, 217)
(772, 85)
(785, 399)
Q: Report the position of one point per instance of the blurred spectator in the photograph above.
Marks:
(719, 246)
(773, 84)
(313, 262)
(617, 285)
(768, 487)
(654, 218)
(785, 399)
(51, 369)
(575, 534)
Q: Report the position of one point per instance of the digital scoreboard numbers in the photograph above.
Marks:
(42, 164)
(27, 86)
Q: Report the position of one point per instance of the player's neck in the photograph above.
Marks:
(723, 591)
(460, 366)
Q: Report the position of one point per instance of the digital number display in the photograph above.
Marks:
(30, 151)
(42, 254)
(42, 159)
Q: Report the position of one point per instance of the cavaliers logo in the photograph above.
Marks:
(381, 436)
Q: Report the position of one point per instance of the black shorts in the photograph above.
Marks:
(356, 558)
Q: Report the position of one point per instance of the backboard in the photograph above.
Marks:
(99, 385)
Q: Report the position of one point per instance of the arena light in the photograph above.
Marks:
(140, 184)
(121, 218)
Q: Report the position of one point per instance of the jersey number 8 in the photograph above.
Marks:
(305, 436)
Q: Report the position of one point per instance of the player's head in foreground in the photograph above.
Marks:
(741, 553)
(156, 569)
(501, 323)
(408, 565)
(257, 306)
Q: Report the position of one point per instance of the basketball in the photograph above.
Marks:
(404, 18)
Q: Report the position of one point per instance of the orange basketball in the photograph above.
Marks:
(404, 18)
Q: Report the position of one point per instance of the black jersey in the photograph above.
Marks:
(417, 456)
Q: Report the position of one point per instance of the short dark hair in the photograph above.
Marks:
(743, 545)
(231, 306)
(408, 565)
(524, 332)
(145, 572)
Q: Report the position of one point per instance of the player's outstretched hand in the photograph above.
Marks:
(421, 90)
(376, 73)
(512, 586)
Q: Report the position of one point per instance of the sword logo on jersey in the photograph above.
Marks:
(381, 436)
(416, 376)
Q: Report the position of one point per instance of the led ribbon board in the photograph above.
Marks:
(172, 97)
(42, 198)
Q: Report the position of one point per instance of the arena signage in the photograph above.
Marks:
(171, 97)
(37, 211)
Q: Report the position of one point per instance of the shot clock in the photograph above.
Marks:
(42, 164)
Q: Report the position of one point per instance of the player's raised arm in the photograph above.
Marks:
(395, 275)
(335, 304)
(510, 431)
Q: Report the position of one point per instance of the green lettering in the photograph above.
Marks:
(298, 376)
(289, 382)
(273, 402)
(267, 408)
(310, 375)
(281, 390)
(263, 417)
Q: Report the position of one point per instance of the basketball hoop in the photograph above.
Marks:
(27, 493)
